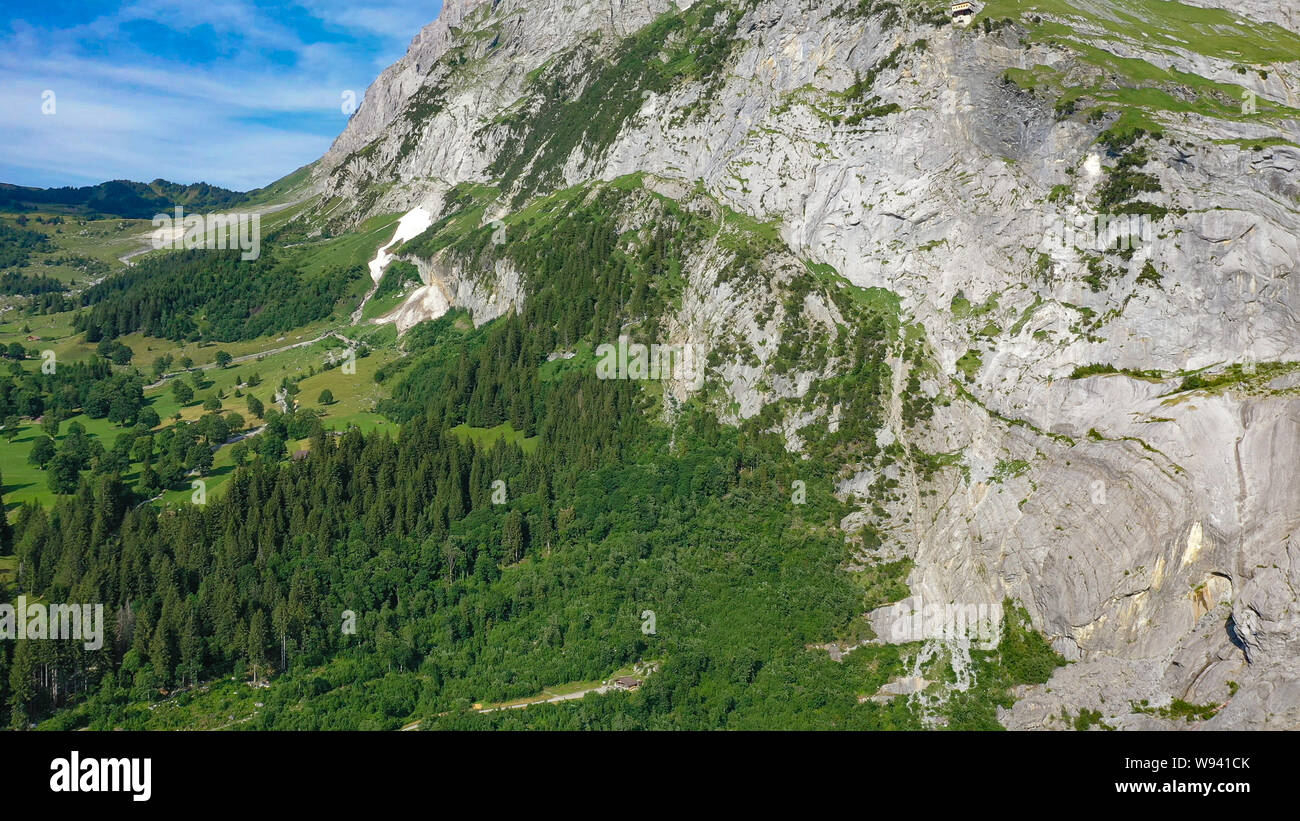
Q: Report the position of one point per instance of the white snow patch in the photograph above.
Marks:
(409, 227)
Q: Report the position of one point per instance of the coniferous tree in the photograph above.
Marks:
(6, 531)
(22, 669)
(255, 652)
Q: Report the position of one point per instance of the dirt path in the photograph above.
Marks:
(600, 689)
(252, 356)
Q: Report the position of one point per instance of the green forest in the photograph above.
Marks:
(404, 576)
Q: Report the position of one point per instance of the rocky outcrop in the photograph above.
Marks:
(1282, 14)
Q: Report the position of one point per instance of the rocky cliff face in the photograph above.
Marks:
(1109, 434)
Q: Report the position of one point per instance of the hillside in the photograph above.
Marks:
(925, 382)
(118, 198)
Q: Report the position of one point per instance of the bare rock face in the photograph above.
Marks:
(1283, 14)
(1144, 510)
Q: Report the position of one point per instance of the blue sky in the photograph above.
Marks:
(235, 93)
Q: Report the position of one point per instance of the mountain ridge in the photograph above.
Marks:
(906, 155)
(120, 198)
(996, 320)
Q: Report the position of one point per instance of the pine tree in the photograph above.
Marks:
(512, 536)
(255, 652)
(6, 532)
(191, 647)
(160, 655)
(21, 688)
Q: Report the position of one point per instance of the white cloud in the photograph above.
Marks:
(138, 136)
(397, 20)
(240, 119)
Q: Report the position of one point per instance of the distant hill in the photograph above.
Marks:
(118, 198)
